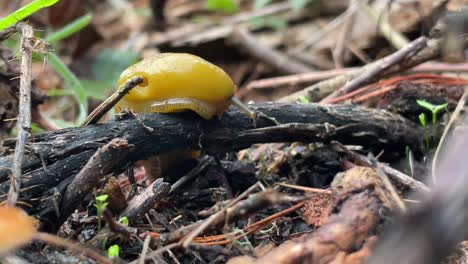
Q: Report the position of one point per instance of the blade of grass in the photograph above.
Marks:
(25, 11)
(69, 29)
(75, 84)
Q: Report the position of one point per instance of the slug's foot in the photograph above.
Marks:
(203, 109)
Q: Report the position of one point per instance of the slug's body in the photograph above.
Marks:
(175, 82)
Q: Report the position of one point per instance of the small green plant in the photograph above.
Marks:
(123, 220)
(100, 204)
(435, 109)
(303, 99)
(113, 251)
(227, 6)
(423, 121)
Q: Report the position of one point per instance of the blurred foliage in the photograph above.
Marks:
(275, 22)
(69, 29)
(24, 12)
(297, 5)
(106, 69)
(227, 6)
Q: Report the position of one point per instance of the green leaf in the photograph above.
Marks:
(35, 129)
(24, 12)
(59, 92)
(272, 22)
(303, 99)
(69, 29)
(227, 6)
(437, 108)
(426, 105)
(297, 5)
(71, 81)
(113, 251)
(102, 198)
(124, 220)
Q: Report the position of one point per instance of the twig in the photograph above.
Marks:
(267, 55)
(105, 106)
(180, 35)
(157, 252)
(310, 77)
(392, 192)
(344, 35)
(215, 240)
(317, 36)
(186, 242)
(144, 250)
(296, 79)
(140, 204)
(393, 173)
(58, 241)
(98, 166)
(204, 162)
(321, 89)
(24, 119)
(305, 188)
(379, 68)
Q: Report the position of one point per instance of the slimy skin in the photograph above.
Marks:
(175, 82)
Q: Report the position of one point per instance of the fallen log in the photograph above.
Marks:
(54, 158)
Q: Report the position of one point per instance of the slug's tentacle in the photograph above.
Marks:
(244, 108)
(203, 109)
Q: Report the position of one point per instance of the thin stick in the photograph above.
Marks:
(379, 68)
(314, 76)
(58, 241)
(186, 242)
(157, 252)
(456, 114)
(274, 58)
(105, 106)
(144, 250)
(305, 188)
(24, 119)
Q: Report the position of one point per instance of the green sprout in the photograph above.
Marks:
(423, 121)
(227, 6)
(303, 99)
(435, 109)
(123, 220)
(113, 251)
(100, 205)
(24, 12)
